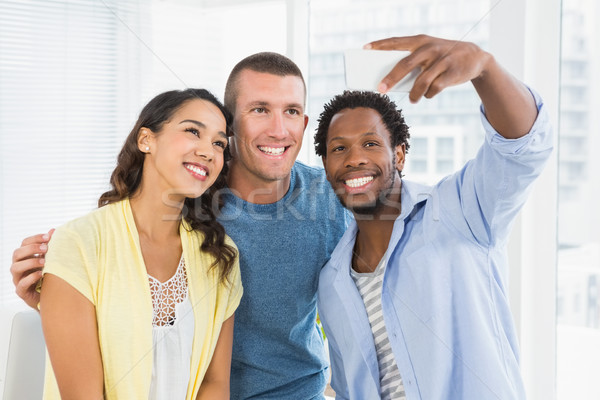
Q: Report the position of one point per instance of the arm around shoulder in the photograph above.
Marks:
(26, 267)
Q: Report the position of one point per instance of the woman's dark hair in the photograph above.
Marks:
(198, 212)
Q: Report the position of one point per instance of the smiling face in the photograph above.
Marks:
(269, 123)
(361, 165)
(186, 156)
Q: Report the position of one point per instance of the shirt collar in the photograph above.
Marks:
(411, 196)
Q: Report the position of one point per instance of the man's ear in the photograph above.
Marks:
(144, 140)
(400, 156)
(305, 121)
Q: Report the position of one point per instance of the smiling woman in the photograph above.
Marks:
(155, 229)
(184, 141)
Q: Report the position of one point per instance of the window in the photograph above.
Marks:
(68, 70)
(418, 147)
(73, 77)
(353, 30)
(445, 147)
(578, 315)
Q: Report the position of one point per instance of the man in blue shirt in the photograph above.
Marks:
(414, 299)
(285, 221)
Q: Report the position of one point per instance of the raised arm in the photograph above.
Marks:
(509, 106)
(26, 268)
(71, 334)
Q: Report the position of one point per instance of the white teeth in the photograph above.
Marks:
(272, 151)
(196, 170)
(357, 182)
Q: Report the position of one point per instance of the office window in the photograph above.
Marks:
(578, 308)
(445, 147)
(418, 147)
(456, 110)
(444, 167)
(68, 73)
(73, 77)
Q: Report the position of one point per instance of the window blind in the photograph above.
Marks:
(74, 75)
(69, 90)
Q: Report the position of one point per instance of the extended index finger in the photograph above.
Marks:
(409, 43)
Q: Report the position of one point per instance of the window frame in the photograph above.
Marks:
(530, 49)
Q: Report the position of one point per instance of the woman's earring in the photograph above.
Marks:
(147, 148)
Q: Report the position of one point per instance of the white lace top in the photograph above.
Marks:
(172, 336)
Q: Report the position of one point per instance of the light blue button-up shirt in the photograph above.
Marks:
(444, 296)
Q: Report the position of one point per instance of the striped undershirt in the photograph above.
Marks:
(369, 286)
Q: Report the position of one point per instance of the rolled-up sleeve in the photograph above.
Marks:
(484, 196)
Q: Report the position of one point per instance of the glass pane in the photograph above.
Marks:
(445, 147)
(418, 147)
(578, 303)
(418, 166)
(444, 167)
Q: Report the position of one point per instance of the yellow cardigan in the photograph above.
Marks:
(99, 255)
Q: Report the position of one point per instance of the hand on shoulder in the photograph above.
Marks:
(26, 268)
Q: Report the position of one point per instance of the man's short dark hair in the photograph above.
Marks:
(390, 115)
(267, 62)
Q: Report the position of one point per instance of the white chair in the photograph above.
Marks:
(22, 354)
